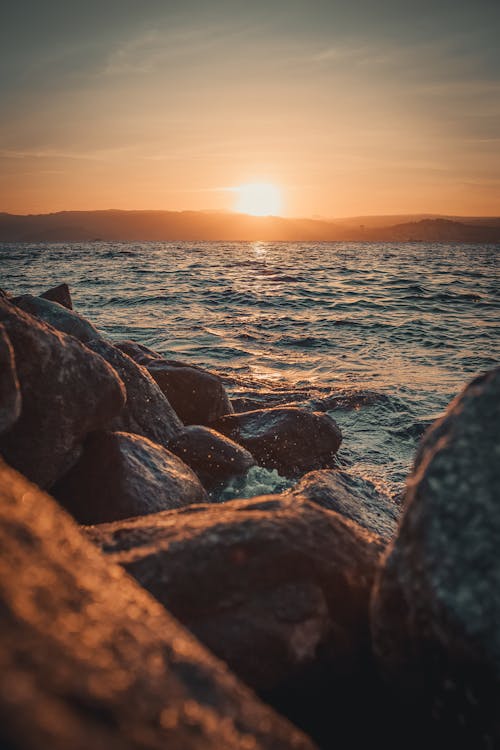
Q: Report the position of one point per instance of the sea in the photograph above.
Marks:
(380, 336)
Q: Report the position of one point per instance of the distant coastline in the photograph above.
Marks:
(118, 225)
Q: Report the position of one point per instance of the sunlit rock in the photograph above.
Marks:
(58, 316)
(213, 457)
(147, 411)
(60, 294)
(288, 439)
(120, 475)
(67, 391)
(138, 352)
(89, 661)
(352, 497)
(10, 392)
(436, 604)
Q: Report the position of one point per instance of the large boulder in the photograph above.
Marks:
(213, 457)
(10, 391)
(285, 438)
(147, 411)
(88, 659)
(276, 586)
(197, 396)
(60, 294)
(138, 352)
(67, 391)
(66, 321)
(353, 497)
(436, 604)
(121, 475)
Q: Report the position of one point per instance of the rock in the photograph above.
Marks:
(89, 661)
(10, 391)
(58, 317)
(120, 475)
(213, 457)
(147, 411)
(60, 294)
(197, 396)
(275, 584)
(138, 352)
(67, 391)
(288, 439)
(436, 604)
(353, 497)
(3, 293)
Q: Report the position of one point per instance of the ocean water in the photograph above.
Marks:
(381, 336)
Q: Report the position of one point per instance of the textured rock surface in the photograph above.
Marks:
(66, 321)
(197, 396)
(60, 294)
(274, 584)
(67, 391)
(89, 661)
(120, 475)
(212, 456)
(352, 497)
(288, 439)
(138, 352)
(10, 392)
(147, 411)
(436, 605)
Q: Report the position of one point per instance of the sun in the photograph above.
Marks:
(258, 199)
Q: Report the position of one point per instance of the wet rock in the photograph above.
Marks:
(147, 411)
(120, 475)
(352, 497)
(288, 439)
(276, 585)
(10, 392)
(197, 396)
(213, 457)
(138, 352)
(67, 391)
(436, 608)
(89, 661)
(60, 294)
(66, 321)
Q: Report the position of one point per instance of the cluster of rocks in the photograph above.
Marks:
(319, 602)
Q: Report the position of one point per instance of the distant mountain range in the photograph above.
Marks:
(83, 226)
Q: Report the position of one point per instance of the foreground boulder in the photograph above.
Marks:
(197, 396)
(436, 605)
(353, 497)
(58, 316)
(274, 585)
(147, 411)
(213, 457)
(120, 475)
(89, 661)
(67, 391)
(10, 392)
(59, 294)
(288, 439)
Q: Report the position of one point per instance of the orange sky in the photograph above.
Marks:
(156, 106)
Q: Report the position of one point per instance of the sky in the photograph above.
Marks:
(349, 107)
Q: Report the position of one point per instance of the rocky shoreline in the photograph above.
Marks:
(354, 618)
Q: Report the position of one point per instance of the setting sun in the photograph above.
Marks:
(258, 199)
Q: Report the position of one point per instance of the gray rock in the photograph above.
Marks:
(58, 316)
(147, 411)
(60, 294)
(353, 497)
(288, 439)
(120, 475)
(436, 604)
(197, 396)
(213, 457)
(10, 391)
(67, 391)
(274, 584)
(89, 661)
